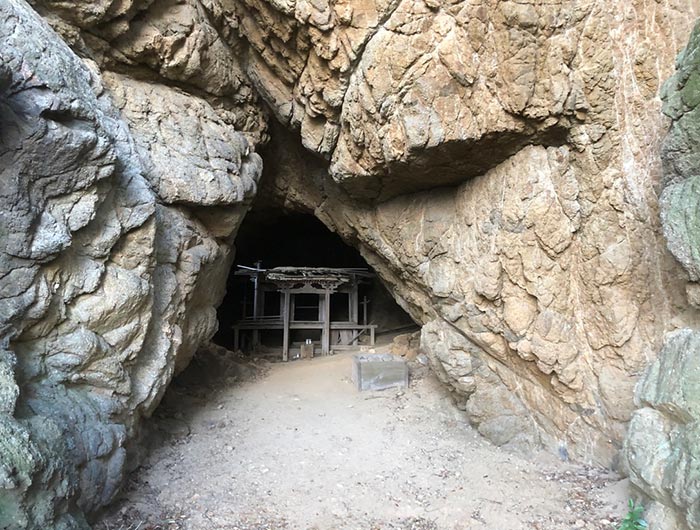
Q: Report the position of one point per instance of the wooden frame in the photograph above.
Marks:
(291, 281)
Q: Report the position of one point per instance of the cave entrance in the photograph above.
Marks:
(296, 290)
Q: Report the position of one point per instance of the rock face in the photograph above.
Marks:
(388, 90)
(404, 95)
(113, 248)
(496, 162)
(662, 448)
(545, 345)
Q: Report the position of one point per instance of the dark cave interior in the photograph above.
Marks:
(271, 239)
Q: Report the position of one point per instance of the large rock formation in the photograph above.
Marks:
(119, 200)
(662, 449)
(497, 163)
(535, 260)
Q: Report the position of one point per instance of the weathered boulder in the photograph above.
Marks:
(662, 448)
(496, 412)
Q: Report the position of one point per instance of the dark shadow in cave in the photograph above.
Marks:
(283, 239)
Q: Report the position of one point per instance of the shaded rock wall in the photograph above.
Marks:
(662, 448)
(113, 251)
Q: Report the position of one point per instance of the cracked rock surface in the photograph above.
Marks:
(661, 448)
(110, 262)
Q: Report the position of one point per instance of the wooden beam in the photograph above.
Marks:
(300, 324)
(285, 323)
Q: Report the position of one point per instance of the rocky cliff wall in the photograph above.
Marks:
(662, 448)
(496, 162)
(120, 198)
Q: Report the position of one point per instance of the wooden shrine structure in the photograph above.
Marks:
(306, 296)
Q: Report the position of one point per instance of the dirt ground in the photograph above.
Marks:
(294, 446)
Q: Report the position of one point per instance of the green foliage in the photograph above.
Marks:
(634, 519)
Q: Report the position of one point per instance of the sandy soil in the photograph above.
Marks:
(295, 446)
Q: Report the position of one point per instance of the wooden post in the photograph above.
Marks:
(326, 333)
(371, 336)
(285, 323)
(261, 301)
(353, 301)
(365, 303)
(257, 291)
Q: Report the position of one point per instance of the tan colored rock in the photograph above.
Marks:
(565, 336)
(405, 95)
(493, 409)
(406, 345)
(302, 55)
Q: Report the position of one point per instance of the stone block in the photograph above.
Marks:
(379, 372)
(307, 350)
